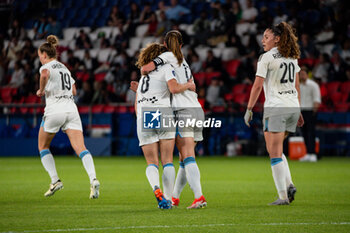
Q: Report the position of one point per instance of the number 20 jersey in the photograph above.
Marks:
(59, 89)
(279, 84)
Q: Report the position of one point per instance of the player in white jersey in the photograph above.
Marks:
(58, 87)
(184, 104)
(153, 101)
(277, 73)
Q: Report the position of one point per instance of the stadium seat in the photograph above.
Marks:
(135, 43)
(141, 30)
(342, 107)
(239, 88)
(345, 87)
(336, 97)
(332, 87)
(147, 40)
(240, 98)
(83, 76)
(84, 109)
(69, 33)
(103, 55)
(202, 102)
(210, 76)
(202, 52)
(90, 3)
(109, 109)
(112, 2)
(229, 54)
(229, 97)
(78, 3)
(218, 109)
(100, 77)
(32, 99)
(97, 108)
(199, 78)
(232, 66)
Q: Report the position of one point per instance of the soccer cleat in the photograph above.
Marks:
(280, 202)
(162, 202)
(95, 189)
(291, 190)
(198, 203)
(305, 158)
(175, 201)
(53, 188)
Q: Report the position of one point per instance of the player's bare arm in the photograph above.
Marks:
(44, 77)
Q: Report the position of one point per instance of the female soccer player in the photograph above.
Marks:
(153, 93)
(277, 72)
(184, 104)
(61, 112)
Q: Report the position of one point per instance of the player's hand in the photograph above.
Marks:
(134, 85)
(40, 93)
(191, 85)
(300, 121)
(248, 117)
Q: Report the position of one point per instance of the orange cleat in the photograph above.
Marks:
(175, 201)
(198, 203)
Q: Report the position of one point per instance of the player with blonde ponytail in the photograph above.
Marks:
(57, 85)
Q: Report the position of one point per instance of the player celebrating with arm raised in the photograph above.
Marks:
(186, 106)
(153, 94)
(61, 112)
(277, 73)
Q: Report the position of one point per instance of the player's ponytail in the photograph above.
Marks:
(50, 46)
(173, 41)
(288, 44)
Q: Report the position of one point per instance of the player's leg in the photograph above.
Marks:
(186, 147)
(274, 141)
(166, 152)
(44, 141)
(76, 139)
(151, 151)
(180, 181)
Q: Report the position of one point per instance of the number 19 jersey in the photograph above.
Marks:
(279, 84)
(58, 90)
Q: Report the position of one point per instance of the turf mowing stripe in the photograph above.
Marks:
(183, 226)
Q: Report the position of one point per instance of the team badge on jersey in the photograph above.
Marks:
(152, 119)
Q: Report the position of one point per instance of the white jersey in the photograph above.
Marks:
(279, 85)
(309, 94)
(59, 89)
(186, 99)
(153, 88)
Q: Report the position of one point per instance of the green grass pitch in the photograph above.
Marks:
(237, 190)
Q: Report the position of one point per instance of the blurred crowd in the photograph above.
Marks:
(323, 28)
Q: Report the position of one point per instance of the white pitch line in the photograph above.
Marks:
(182, 226)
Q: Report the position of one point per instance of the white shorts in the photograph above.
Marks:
(150, 136)
(190, 132)
(64, 121)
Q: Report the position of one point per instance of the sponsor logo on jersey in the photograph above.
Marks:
(276, 55)
(287, 92)
(152, 119)
(144, 99)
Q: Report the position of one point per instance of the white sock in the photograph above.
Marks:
(180, 181)
(279, 176)
(152, 175)
(49, 164)
(193, 176)
(168, 179)
(288, 175)
(88, 163)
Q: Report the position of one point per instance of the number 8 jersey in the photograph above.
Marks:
(59, 89)
(279, 85)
